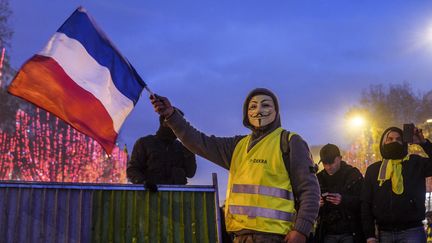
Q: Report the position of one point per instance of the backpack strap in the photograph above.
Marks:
(285, 148)
(285, 139)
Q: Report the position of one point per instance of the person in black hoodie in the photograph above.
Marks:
(160, 159)
(339, 215)
(394, 190)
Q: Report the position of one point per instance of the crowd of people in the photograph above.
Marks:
(274, 193)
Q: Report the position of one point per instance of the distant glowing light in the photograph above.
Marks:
(429, 34)
(429, 121)
(357, 121)
(423, 39)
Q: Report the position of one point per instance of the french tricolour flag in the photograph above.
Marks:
(83, 79)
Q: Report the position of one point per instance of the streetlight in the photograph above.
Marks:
(357, 121)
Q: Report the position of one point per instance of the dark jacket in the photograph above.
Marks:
(345, 217)
(389, 210)
(160, 162)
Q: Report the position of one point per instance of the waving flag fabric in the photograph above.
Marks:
(83, 79)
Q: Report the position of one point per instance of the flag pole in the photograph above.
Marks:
(149, 91)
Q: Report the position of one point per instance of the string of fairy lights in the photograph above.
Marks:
(43, 148)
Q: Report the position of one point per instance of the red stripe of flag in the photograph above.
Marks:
(64, 98)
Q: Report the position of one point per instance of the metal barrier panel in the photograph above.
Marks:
(54, 212)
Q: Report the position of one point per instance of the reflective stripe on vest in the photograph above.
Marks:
(253, 212)
(263, 190)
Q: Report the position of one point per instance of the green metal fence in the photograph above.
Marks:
(54, 212)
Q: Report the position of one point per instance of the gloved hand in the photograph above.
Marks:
(162, 105)
(151, 186)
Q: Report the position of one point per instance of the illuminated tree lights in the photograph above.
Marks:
(43, 148)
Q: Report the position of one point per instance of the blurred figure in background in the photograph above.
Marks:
(160, 159)
(339, 215)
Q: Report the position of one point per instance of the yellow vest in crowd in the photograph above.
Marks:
(429, 234)
(259, 193)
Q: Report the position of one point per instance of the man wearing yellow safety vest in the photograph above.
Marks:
(272, 193)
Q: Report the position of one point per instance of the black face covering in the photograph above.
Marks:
(165, 133)
(394, 150)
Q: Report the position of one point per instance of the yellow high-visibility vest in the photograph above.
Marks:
(259, 192)
(429, 234)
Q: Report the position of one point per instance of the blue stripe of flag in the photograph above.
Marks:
(79, 27)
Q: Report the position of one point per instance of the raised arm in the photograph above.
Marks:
(425, 163)
(216, 149)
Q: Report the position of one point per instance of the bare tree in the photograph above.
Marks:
(9, 104)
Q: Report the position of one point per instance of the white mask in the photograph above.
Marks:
(261, 111)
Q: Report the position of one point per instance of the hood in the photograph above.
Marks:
(275, 124)
(384, 136)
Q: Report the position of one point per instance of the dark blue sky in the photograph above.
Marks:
(317, 56)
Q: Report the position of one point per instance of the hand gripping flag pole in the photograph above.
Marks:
(82, 78)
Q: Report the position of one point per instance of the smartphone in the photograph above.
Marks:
(408, 133)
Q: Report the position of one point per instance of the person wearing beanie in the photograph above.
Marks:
(393, 195)
(272, 192)
(160, 159)
(341, 184)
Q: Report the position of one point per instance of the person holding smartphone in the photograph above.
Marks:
(339, 215)
(394, 190)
